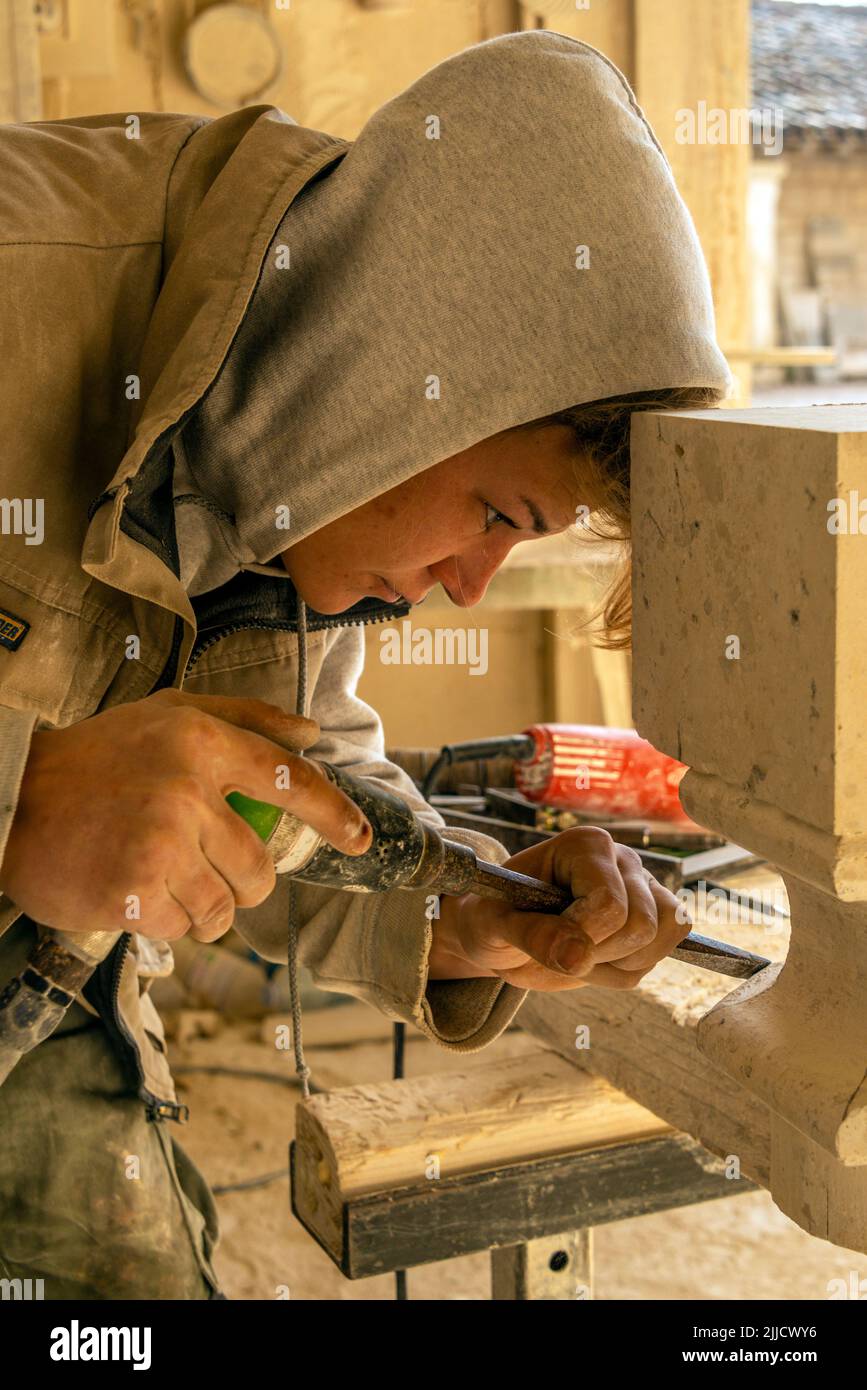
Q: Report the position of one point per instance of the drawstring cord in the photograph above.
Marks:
(301, 1067)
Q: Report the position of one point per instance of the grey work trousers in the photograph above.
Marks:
(95, 1199)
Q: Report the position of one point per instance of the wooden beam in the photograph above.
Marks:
(20, 74)
(693, 56)
(608, 26)
(514, 1152)
(364, 1139)
(383, 1135)
(526, 1202)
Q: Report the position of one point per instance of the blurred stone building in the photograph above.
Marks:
(808, 206)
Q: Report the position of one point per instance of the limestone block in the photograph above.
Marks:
(731, 540)
(750, 665)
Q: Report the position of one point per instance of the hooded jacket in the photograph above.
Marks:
(432, 297)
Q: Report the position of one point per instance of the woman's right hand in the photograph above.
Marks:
(125, 813)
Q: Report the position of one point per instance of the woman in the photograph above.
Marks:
(294, 384)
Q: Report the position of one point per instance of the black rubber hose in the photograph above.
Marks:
(518, 746)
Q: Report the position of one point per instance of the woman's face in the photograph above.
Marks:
(454, 524)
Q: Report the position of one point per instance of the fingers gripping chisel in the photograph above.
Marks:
(404, 853)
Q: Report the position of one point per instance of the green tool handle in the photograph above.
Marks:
(261, 815)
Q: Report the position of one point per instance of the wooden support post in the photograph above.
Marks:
(693, 57)
(20, 85)
(609, 27)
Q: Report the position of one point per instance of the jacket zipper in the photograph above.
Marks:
(155, 1108)
(199, 648)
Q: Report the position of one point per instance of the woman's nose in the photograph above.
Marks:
(465, 577)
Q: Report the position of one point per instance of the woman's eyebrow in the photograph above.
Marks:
(540, 525)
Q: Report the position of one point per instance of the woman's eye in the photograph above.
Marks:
(492, 516)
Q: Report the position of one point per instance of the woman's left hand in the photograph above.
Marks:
(621, 924)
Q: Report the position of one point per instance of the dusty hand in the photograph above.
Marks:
(620, 926)
(126, 812)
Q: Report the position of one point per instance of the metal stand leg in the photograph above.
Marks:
(554, 1267)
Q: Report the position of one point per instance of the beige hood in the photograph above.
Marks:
(423, 292)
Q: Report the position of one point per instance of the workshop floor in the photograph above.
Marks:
(739, 1247)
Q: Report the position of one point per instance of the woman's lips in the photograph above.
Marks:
(388, 592)
(393, 595)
